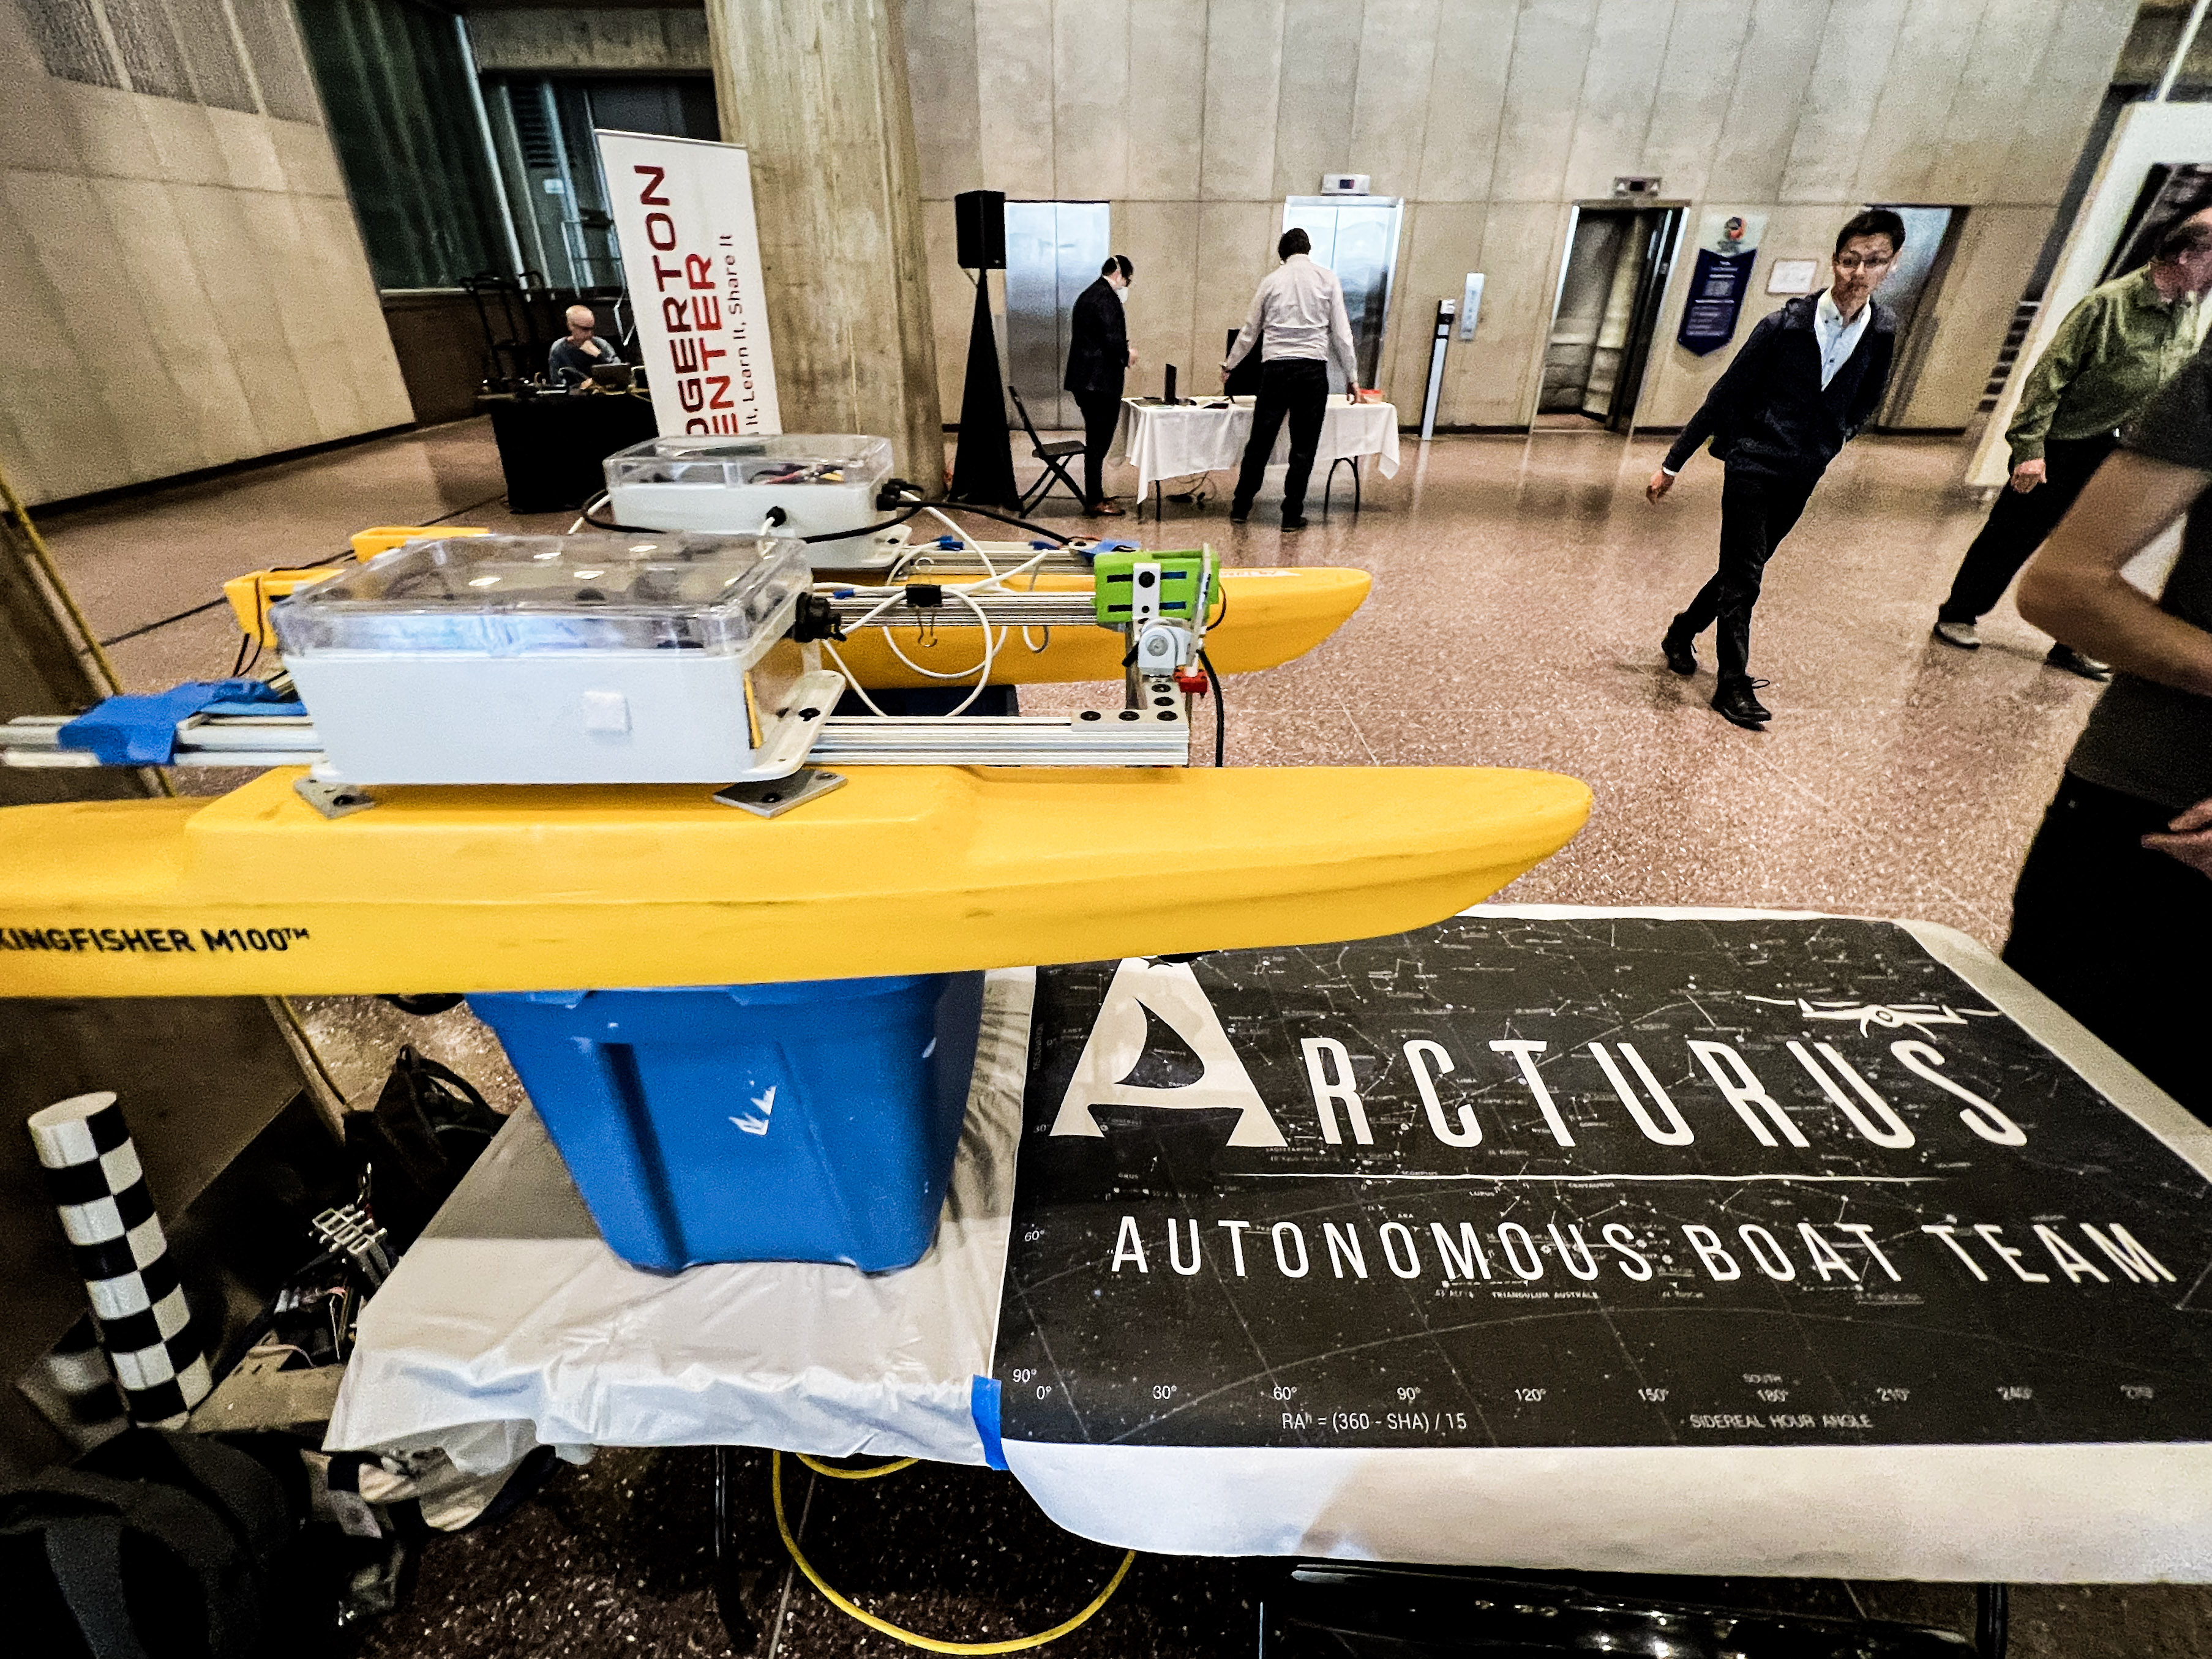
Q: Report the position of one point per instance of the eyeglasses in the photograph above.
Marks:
(1870, 262)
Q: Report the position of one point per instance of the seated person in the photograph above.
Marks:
(578, 352)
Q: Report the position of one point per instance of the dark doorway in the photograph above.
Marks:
(1914, 292)
(1610, 291)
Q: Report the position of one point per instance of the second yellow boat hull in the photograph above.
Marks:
(1271, 617)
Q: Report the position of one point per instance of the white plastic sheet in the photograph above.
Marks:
(510, 1323)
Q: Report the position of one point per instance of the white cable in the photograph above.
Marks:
(990, 654)
(891, 640)
(967, 540)
(996, 582)
(584, 518)
(852, 681)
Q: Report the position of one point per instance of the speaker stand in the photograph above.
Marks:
(983, 460)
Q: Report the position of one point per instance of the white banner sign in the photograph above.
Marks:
(684, 211)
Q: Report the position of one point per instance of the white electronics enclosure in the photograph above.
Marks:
(824, 483)
(592, 658)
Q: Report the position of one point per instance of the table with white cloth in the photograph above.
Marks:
(1176, 441)
(1694, 1241)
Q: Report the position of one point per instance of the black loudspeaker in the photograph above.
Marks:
(980, 215)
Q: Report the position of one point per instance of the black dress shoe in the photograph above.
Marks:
(1294, 524)
(1681, 654)
(1735, 703)
(1238, 514)
(2067, 658)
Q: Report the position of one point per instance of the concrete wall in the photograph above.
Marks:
(184, 281)
(602, 40)
(1195, 118)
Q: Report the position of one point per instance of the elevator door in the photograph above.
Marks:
(1356, 237)
(1610, 291)
(1912, 292)
(1054, 250)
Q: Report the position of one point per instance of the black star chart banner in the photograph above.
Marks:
(1617, 1182)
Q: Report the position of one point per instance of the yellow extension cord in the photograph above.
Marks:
(834, 1473)
(1012, 1644)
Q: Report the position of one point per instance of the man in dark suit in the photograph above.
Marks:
(1810, 376)
(1098, 355)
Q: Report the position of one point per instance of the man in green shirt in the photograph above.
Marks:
(2122, 343)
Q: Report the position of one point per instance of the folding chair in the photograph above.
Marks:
(1054, 457)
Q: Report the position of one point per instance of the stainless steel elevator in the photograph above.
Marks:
(1612, 286)
(1356, 237)
(1913, 292)
(1054, 250)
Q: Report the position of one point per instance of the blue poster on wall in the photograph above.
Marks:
(1728, 247)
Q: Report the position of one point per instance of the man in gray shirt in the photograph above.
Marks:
(1299, 322)
(2112, 917)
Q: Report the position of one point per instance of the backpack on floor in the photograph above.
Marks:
(157, 1545)
(429, 1126)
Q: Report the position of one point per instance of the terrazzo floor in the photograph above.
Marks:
(1520, 585)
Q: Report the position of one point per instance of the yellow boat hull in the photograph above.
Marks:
(905, 869)
(1272, 616)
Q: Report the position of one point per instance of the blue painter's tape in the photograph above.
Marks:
(983, 1407)
(141, 730)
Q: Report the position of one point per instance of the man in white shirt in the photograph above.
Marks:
(1299, 321)
(1810, 376)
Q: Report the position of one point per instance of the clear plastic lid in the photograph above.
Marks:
(517, 595)
(794, 459)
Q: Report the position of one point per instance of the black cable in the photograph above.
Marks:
(959, 506)
(1018, 524)
(148, 627)
(869, 530)
(1991, 1619)
(1220, 710)
(892, 523)
(609, 524)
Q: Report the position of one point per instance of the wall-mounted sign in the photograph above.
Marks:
(1793, 277)
(1728, 245)
(683, 211)
(1635, 185)
(1470, 306)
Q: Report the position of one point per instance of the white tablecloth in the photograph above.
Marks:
(1175, 440)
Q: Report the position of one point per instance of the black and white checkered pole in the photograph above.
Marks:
(94, 1180)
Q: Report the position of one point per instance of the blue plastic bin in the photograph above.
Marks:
(810, 1121)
